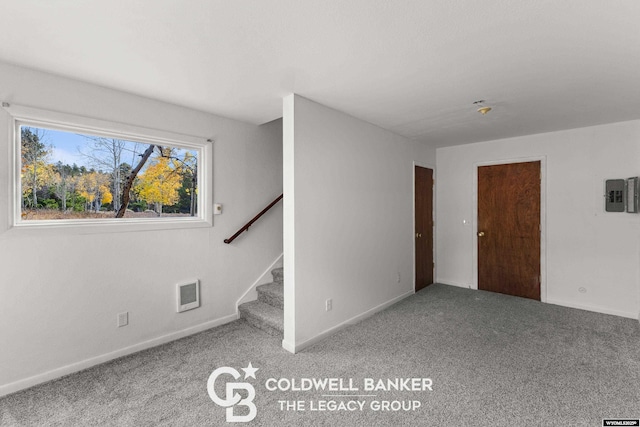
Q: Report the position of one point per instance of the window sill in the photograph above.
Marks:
(103, 226)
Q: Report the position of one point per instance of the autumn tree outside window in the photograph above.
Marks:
(78, 175)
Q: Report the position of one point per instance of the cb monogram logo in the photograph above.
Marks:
(231, 398)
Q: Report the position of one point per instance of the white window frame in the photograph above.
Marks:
(27, 116)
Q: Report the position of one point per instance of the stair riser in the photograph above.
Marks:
(269, 298)
(263, 327)
(258, 323)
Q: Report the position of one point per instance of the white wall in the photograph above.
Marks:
(60, 293)
(585, 247)
(348, 218)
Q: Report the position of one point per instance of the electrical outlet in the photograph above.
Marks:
(329, 304)
(123, 319)
(399, 277)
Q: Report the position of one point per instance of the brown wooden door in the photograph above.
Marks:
(509, 229)
(424, 226)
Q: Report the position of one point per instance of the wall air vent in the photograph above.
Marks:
(188, 295)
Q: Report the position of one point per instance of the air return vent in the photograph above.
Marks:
(188, 295)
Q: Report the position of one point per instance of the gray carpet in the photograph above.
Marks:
(494, 361)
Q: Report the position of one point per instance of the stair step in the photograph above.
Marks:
(272, 294)
(278, 274)
(263, 316)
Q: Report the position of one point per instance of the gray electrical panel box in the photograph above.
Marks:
(632, 194)
(615, 195)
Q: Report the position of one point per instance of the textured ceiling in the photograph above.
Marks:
(411, 66)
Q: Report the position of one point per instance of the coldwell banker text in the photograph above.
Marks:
(354, 400)
(348, 384)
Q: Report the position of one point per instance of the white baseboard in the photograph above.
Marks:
(628, 314)
(454, 283)
(294, 348)
(291, 348)
(88, 363)
(251, 294)
(602, 310)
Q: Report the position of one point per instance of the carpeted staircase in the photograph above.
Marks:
(266, 312)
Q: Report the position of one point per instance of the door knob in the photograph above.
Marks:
(418, 235)
(481, 233)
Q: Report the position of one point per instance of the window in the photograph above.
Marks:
(77, 175)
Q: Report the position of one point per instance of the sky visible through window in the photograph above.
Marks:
(67, 148)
